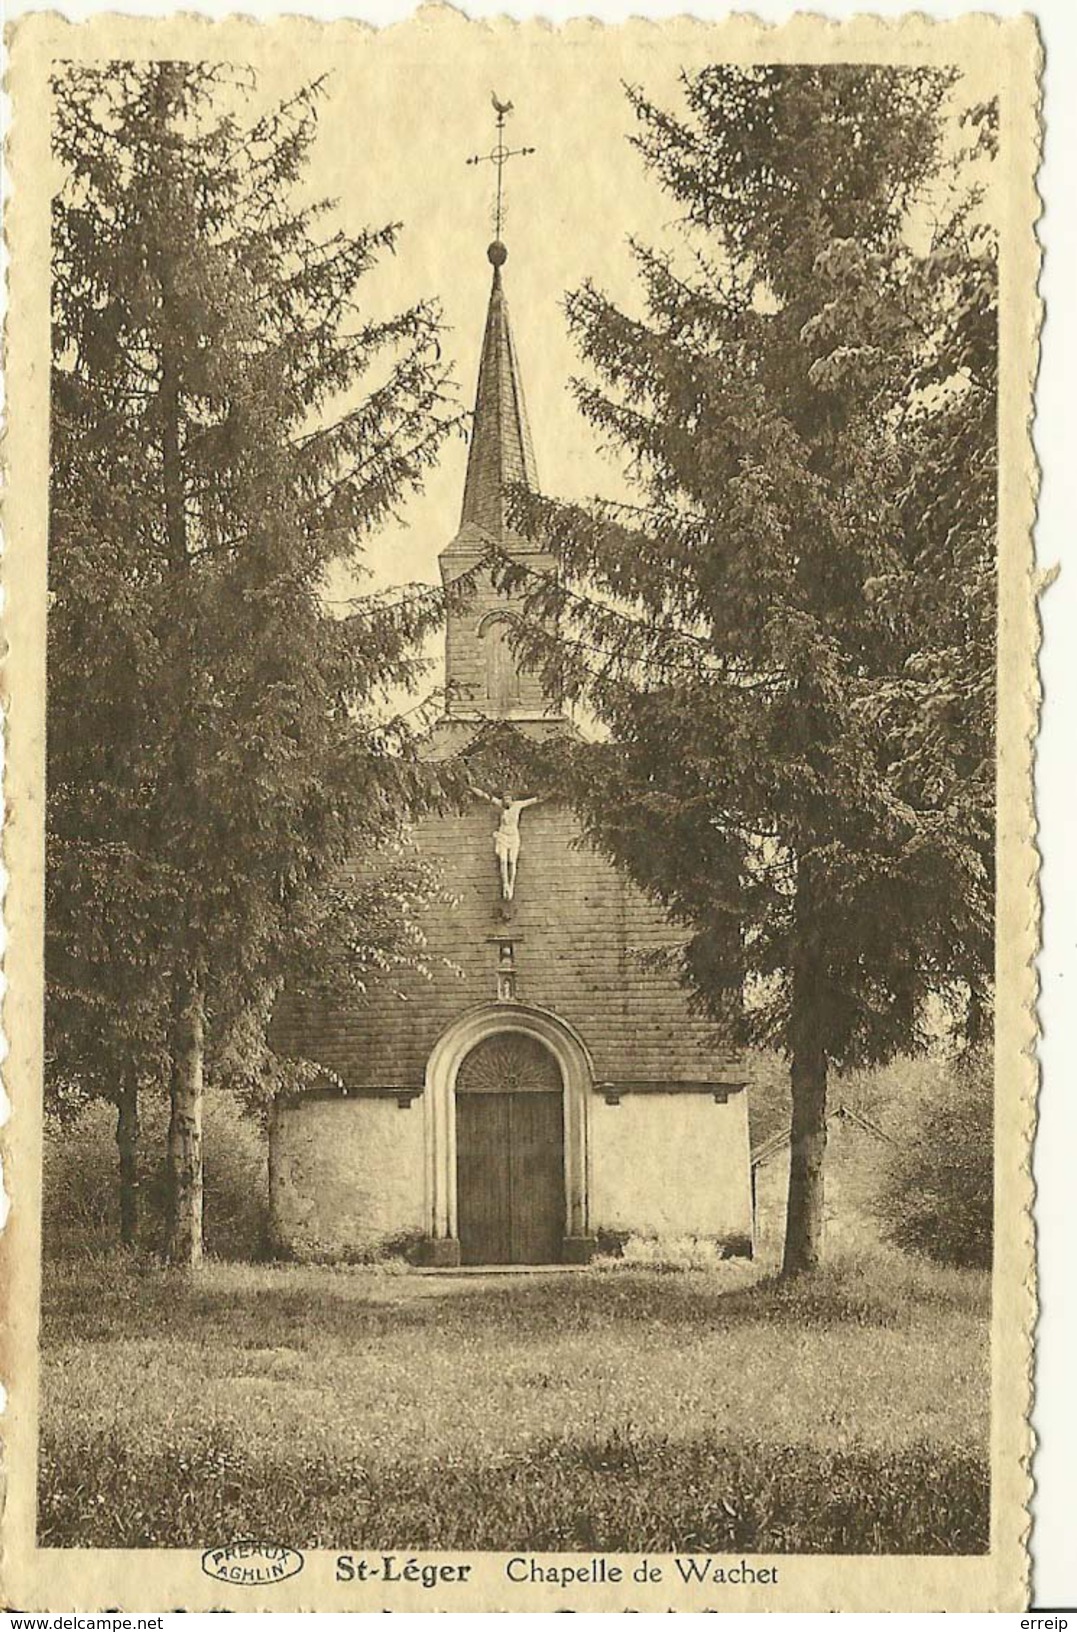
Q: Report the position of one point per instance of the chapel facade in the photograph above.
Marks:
(542, 1088)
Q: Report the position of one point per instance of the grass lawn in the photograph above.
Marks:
(621, 1410)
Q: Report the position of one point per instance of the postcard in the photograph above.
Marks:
(521, 686)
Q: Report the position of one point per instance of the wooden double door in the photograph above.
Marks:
(510, 1153)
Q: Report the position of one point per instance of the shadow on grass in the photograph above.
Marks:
(114, 1299)
(626, 1494)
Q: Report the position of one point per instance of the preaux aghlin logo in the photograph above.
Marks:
(251, 1563)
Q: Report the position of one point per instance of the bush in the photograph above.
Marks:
(663, 1253)
(936, 1196)
(80, 1206)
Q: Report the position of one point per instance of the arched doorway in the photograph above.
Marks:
(498, 1022)
(510, 1152)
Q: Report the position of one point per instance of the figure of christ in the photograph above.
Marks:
(507, 836)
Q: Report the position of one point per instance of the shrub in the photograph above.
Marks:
(80, 1208)
(663, 1252)
(936, 1195)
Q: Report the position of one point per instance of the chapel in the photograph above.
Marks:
(542, 1089)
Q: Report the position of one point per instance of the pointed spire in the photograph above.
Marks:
(500, 453)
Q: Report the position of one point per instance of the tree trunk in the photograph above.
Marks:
(172, 481)
(127, 1131)
(807, 1152)
(183, 1243)
(808, 1073)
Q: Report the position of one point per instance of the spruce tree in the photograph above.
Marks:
(790, 633)
(228, 423)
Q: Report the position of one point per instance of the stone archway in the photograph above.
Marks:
(446, 1058)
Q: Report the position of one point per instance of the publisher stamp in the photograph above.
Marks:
(251, 1563)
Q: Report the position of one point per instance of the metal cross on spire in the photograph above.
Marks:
(499, 155)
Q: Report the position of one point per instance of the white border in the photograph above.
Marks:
(1055, 1556)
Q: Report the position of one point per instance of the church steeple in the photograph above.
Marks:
(500, 454)
(483, 675)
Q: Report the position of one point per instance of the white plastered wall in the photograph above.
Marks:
(672, 1165)
(346, 1176)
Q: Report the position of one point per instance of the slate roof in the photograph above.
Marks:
(840, 1113)
(501, 453)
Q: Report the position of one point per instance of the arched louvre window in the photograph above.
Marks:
(502, 670)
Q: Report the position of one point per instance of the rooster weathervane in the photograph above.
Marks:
(499, 155)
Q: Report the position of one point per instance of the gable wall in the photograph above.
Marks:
(577, 923)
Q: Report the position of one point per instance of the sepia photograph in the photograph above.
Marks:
(531, 1059)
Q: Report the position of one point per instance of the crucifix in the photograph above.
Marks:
(507, 836)
(499, 155)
